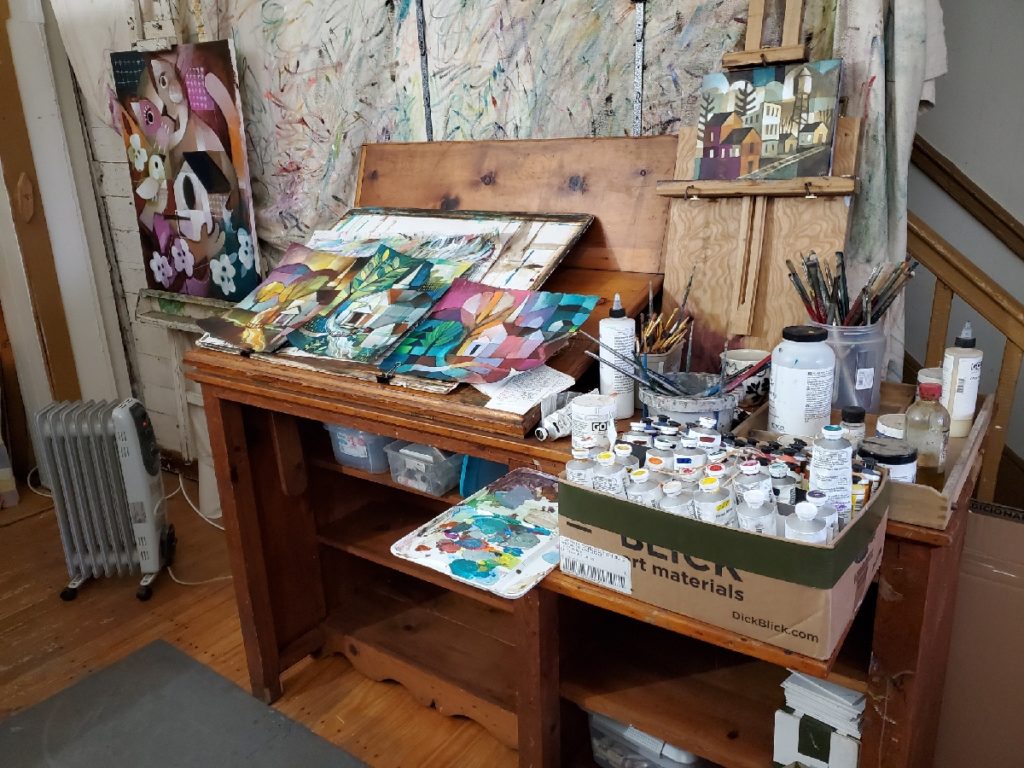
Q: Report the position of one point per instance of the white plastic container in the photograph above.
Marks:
(961, 375)
(358, 449)
(755, 514)
(827, 513)
(803, 525)
(580, 468)
(643, 489)
(676, 499)
(783, 483)
(610, 476)
(714, 504)
(616, 745)
(618, 332)
(593, 421)
(424, 467)
(803, 370)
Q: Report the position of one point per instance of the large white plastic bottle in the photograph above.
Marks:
(961, 373)
(618, 332)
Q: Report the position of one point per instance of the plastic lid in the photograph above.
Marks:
(750, 467)
(580, 453)
(672, 488)
(623, 449)
(714, 470)
(709, 484)
(617, 309)
(640, 475)
(606, 458)
(668, 429)
(806, 511)
(853, 414)
(655, 462)
(691, 474)
(888, 451)
(804, 333)
(817, 498)
(755, 497)
(717, 456)
(966, 337)
(832, 431)
(708, 422)
(929, 390)
(688, 442)
(778, 469)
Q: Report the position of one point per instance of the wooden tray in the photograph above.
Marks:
(914, 503)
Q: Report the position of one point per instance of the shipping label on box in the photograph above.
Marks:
(797, 596)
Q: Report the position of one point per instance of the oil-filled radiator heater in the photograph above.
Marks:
(103, 466)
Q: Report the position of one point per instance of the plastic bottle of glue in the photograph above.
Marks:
(618, 332)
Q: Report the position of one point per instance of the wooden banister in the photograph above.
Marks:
(972, 198)
(955, 274)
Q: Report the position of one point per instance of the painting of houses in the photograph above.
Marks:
(775, 122)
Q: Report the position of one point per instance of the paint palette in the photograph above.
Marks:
(502, 539)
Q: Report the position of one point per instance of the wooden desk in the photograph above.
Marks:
(309, 546)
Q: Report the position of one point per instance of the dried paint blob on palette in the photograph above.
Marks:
(503, 538)
(180, 116)
(479, 334)
(768, 122)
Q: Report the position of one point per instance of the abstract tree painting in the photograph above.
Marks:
(480, 334)
(180, 117)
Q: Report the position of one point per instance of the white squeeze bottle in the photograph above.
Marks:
(618, 332)
(800, 392)
(961, 373)
(804, 525)
(832, 470)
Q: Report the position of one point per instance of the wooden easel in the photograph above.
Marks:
(735, 236)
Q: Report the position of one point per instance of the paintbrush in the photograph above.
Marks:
(613, 366)
(844, 286)
(738, 378)
(686, 293)
(633, 362)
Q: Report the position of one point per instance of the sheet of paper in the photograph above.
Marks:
(521, 392)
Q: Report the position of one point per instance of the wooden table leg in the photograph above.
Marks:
(913, 624)
(537, 650)
(245, 545)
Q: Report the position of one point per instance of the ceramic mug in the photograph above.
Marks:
(755, 389)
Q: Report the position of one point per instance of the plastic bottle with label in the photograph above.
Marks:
(802, 373)
(752, 476)
(580, 468)
(755, 514)
(783, 482)
(961, 374)
(687, 454)
(832, 469)
(853, 423)
(803, 525)
(624, 456)
(609, 476)
(713, 504)
(618, 332)
(827, 513)
(642, 489)
(676, 500)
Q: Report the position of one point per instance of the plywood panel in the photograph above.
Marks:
(530, 70)
(613, 179)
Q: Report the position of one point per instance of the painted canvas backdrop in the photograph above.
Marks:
(179, 114)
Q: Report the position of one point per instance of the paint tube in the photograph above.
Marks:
(558, 424)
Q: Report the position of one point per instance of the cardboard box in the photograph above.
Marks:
(801, 597)
(981, 704)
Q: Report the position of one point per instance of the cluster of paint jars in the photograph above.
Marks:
(694, 471)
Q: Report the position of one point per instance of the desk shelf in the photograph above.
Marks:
(384, 478)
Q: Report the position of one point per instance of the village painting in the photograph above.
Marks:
(768, 122)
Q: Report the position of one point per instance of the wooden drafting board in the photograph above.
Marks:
(614, 179)
(741, 287)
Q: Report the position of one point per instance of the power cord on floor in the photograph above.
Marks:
(34, 489)
(184, 493)
(176, 580)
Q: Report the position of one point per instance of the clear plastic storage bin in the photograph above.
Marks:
(423, 467)
(358, 449)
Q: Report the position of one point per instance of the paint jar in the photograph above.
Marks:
(803, 525)
(687, 454)
(853, 423)
(754, 514)
(827, 512)
(660, 460)
(624, 456)
(802, 375)
(895, 455)
(609, 476)
(752, 477)
(580, 469)
(593, 416)
(713, 504)
(642, 489)
(832, 469)
(707, 439)
(892, 425)
(676, 499)
(783, 483)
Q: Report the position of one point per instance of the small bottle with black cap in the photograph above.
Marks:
(853, 423)
(802, 376)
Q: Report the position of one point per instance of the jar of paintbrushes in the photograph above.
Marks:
(853, 321)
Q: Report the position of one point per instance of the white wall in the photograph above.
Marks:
(977, 123)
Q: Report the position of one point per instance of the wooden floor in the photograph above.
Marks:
(46, 645)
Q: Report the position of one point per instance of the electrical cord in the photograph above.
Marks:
(176, 580)
(34, 489)
(204, 518)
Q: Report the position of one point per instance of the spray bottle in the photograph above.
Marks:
(618, 332)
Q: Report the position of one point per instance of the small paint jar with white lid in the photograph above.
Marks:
(580, 468)
(624, 456)
(755, 514)
(803, 525)
(610, 476)
(642, 489)
(676, 499)
(714, 504)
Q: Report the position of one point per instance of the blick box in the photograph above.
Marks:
(797, 596)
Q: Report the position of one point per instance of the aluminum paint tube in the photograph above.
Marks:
(558, 424)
